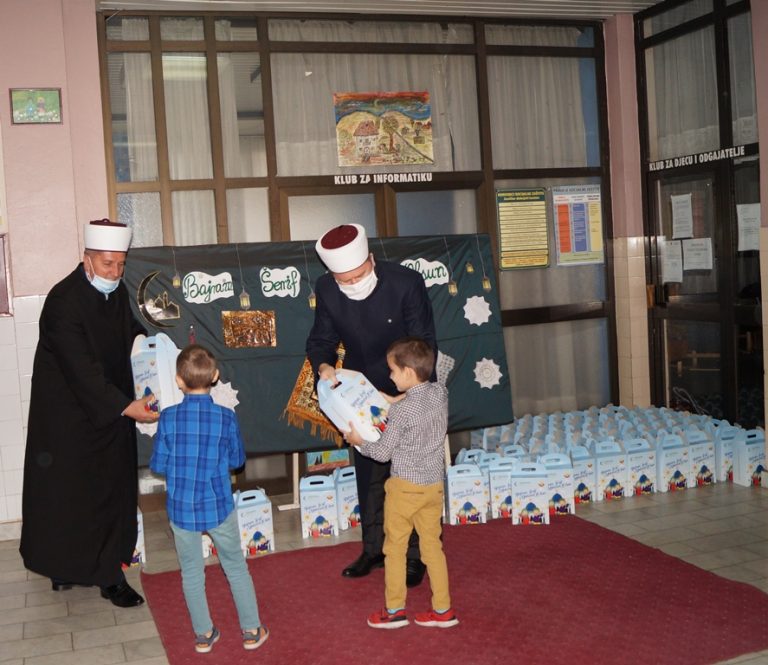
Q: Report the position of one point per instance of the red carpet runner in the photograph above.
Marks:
(568, 593)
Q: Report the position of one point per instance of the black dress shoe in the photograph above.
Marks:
(363, 565)
(63, 585)
(121, 595)
(414, 572)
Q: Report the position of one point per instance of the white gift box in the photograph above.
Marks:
(140, 551)
(749, 458)
(468, 455)
(353, 399)
(153, 363)
(529, 493)
(514, 450)
(317, 501)
(345, 480)
(254, 519)
(611, 469)
(465, 494)
(559, 483)
(724, 438)
(701, 451)
(673, 463)
(500, 483)
(641, 467)
(584, 474)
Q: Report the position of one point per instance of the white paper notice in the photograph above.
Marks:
(697, 254)
(748, 217)
(682, 216)
(671, 261)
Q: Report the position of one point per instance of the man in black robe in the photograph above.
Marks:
(367, 305)
(80, 469)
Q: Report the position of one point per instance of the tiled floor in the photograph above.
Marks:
(723, 528)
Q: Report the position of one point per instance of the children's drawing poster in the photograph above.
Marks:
(327, 460)
(383, 128)
(578, 224)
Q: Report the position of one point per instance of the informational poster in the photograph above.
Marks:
(748, 219)
(578, 224)
(671, 261)
(523, 238)
(682, 216)
(697, 254)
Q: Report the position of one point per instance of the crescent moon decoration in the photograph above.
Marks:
(158, 310)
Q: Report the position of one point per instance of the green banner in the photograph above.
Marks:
(261, 349)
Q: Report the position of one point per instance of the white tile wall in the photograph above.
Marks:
(18, 340)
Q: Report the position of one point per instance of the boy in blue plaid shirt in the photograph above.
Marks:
(196, 445)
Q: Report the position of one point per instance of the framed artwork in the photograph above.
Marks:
(35, 106)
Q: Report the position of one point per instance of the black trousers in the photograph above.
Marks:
(371, 476)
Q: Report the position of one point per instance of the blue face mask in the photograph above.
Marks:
(103, 285)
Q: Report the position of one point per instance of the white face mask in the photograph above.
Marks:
(361, 289)
(102, 284)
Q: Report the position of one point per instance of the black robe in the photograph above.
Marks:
(80, 470)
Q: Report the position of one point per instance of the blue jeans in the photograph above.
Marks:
(189, 547)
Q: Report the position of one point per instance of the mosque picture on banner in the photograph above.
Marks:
(383, 128)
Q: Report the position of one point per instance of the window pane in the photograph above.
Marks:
(313, 30)
(749, 371)
(693, 380)
(127, 28)
(194, 218)
(743, 104)
(676, 16)
(538, 35)
(558, 366)
(311, 216)
(553, 285)
(133, 117)
(682, 96)
(142, 213)
(248, 215)
(181, 28)
(436, 213)
(242, 115)
(304, 115)
(746, 181)
(236, 29)
(543, 112)
(186, 115)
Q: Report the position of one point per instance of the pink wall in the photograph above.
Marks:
(623, 127)
(55, 174)
(760, 51)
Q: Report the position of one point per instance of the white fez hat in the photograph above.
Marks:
(102, 235)
(343, 248)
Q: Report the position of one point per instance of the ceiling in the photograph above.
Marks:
(573, 9)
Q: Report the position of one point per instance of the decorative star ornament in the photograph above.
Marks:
(224, 394)
(487, 373)
(477, 310)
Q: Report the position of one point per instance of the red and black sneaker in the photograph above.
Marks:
(436, 619)
(387, 620)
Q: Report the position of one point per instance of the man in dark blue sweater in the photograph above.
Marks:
(366, 305)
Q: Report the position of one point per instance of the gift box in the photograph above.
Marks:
(611, 470)
(584, 474)
(468, 456)
(153, 363)
(701, 451)
(465, 495)
(530, 497)
(319, 513)
(354, 399)
(254, 519)
(345, 479)
(673, 463)
(749, 458)
(724, 438)
(139, 552)
(559, 483)
(641, 467)
(500, 486)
